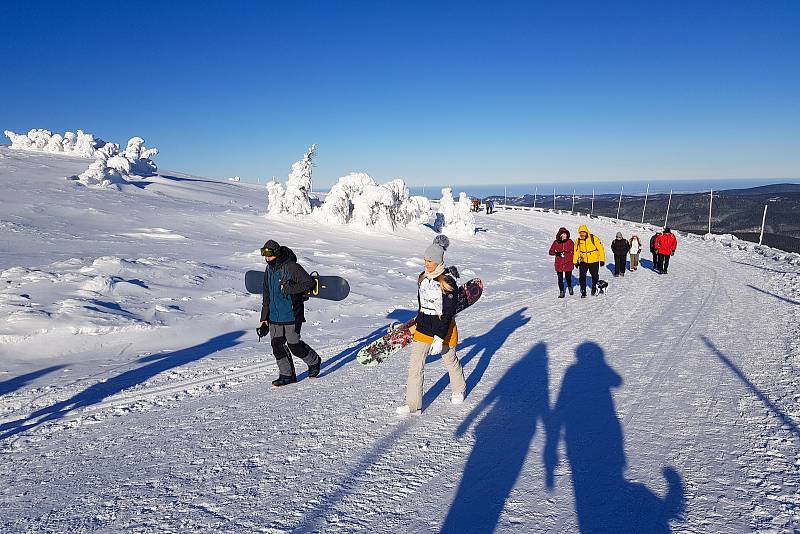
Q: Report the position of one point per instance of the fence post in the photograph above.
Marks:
(535, 194)
(763, 219)
(573, 201)
(669, 202)
(592, 212)
(710, 203)
(645, 202)
(620, 200)
(554, 198)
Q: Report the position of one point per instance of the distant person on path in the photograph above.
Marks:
(620, 247)
(437, 295)
(589, 255)
(653, 249)
(665, 246)
(635, 250)
(563, 249)
(282, 312)
(489, 206)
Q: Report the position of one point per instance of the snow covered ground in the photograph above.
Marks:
(135, 396)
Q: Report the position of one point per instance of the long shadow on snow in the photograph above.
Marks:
(605, 502)
(502, 439)
(95, 393)
(486, 345)
(331, 365)
(790, 301)
(785, 419)
(18, 382)
(647, 264)
(760, 267)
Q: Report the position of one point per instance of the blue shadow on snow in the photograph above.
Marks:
(13, 384)
(502, 439)
(605, 502)
(486, 345)
(95, 393)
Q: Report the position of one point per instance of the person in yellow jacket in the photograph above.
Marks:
(589, 256)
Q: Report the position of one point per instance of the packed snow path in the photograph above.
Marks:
(669, 404)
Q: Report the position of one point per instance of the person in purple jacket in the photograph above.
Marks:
(563, 249)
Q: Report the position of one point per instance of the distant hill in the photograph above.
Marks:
(734, 211)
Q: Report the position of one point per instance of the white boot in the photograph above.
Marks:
(457, 398)
(403, 410)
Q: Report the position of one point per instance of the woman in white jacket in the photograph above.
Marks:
(636, 249)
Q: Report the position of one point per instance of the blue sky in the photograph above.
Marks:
(433, 92)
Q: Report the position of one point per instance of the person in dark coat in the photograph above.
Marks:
(285, 282)
(653, 249)
(563, 249)
(620, 246)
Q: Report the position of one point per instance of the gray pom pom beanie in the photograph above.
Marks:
(435, 251)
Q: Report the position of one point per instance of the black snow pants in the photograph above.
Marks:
(619, 264)
(594, 270)
(561, 277)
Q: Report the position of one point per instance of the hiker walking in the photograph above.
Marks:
(665, 246)
(589, 256)
(437, 295)
(620, 248)
(635, 250)
(653, 249)
(282, 312)
(563, 249)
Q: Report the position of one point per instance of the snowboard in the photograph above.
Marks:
(400, 335)
(325, 287)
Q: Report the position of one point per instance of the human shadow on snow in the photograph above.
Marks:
(13, 384)
(605, 502)
(503, 436)
(96, 393)
(486, 345)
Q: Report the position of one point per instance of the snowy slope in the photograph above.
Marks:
(134, 394)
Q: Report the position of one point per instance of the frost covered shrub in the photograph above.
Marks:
(374, 208)
(275, 198)
(358, 199)
(414, 211)
(293, 198)
(40, 140)
(454, 218)
(139, 157)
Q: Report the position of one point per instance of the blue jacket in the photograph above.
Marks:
(285, 282)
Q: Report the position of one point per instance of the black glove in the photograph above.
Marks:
(560, 254)
(262, 330)
(672, 254)
(602, 263)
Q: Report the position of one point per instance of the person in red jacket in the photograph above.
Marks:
(666, 244)
(563, 249)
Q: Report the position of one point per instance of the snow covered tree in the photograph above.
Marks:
(139, 157)
(373, 209)
(276, 193)
(452, 218)
(293, 198)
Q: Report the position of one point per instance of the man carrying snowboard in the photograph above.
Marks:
(282, 312)
(437, 294)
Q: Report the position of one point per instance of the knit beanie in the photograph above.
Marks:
(619, 235)
(435, 251)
